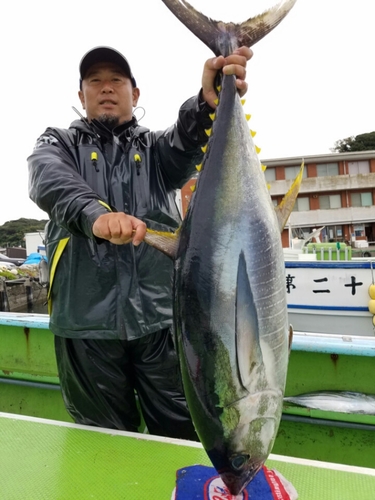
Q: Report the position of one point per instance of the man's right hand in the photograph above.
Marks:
(234, 64)
(119, 228)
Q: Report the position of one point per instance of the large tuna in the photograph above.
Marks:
(229, 286)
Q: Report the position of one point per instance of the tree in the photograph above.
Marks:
(12, 233)
(362, 142)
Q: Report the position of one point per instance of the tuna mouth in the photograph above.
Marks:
(234, 484)
(243, 470)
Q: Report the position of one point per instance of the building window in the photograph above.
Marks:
(359, 231)
(292, 172)
(327, 169)
(361, 199)
(302, 204)
(329, 201)
(270, 174)
(358, 167)
(334, 233)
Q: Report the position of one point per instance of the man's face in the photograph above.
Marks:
(108, 93)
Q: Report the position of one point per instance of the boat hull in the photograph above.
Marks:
(330, 297)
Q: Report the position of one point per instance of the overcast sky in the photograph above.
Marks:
(310, 81)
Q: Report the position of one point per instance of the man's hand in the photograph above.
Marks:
(235, 64)
(119, 228)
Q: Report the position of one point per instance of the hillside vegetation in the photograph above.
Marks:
(12, 233)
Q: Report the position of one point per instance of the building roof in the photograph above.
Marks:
(323, 158)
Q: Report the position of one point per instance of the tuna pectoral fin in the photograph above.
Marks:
(287, 203)
(166, 242)
(248, 350)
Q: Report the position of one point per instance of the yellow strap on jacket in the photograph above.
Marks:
(56, 257)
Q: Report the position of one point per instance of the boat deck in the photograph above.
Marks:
(29, 385)
(50, 460)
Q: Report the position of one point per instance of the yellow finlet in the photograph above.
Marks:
(218, 88)
(204, 148)
(208, 131)
(247, 116)
(199, 167)
(258, 150)
(243, 101)
(264, 167)
(253, 133)
(216, 101)
(192, 188)
(212, 116)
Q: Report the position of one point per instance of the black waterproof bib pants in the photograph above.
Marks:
(99, 379)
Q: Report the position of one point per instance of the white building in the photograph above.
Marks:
(35, 243)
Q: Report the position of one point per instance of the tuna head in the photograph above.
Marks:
(248, 429)
(240, 457)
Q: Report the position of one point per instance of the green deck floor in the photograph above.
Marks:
(50, 460)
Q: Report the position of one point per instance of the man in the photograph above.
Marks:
(102, 182)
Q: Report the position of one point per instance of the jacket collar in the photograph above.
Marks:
(120, 130)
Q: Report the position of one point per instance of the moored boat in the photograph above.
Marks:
(331, 296)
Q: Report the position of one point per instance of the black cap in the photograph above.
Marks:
(104, 54)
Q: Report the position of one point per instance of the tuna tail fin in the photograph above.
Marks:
(222, 38)
(166, 242)
(284, 209)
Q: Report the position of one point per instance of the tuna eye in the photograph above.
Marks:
(239, 461)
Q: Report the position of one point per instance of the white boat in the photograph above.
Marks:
(330, 296)
(327, 290)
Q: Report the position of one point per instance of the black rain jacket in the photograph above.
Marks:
(98, 289)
